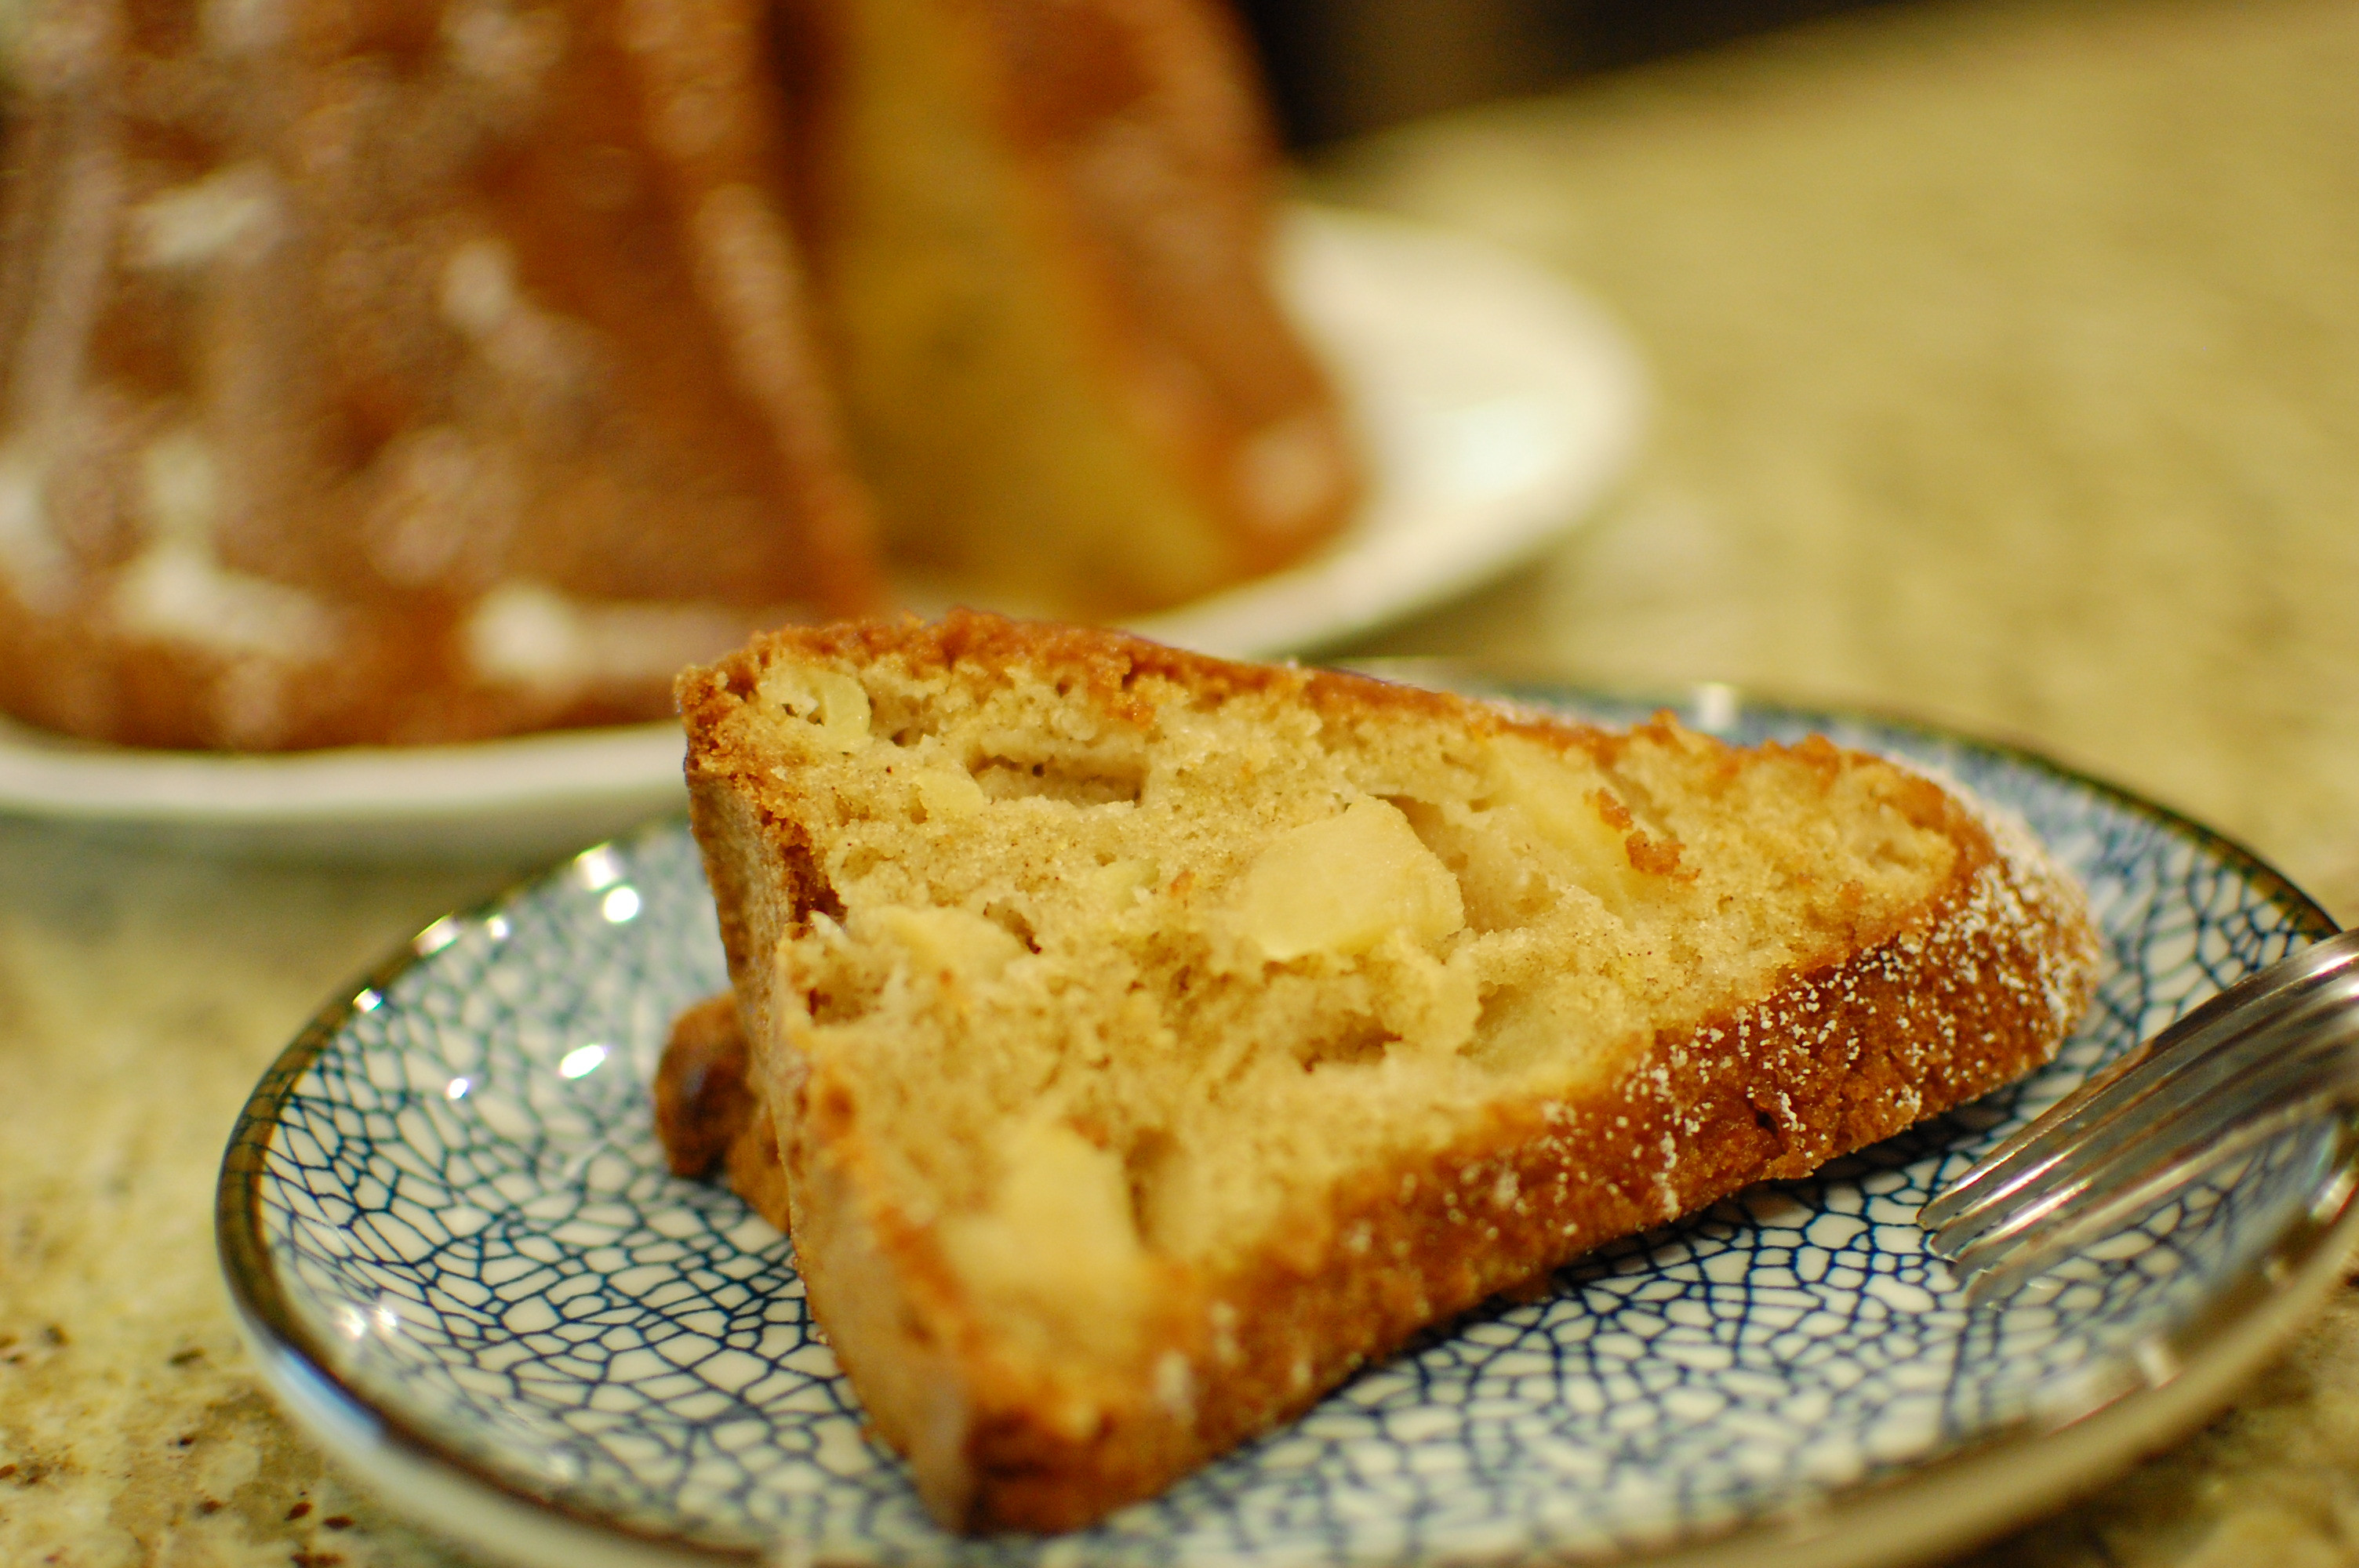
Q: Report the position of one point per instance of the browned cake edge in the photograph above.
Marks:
(1977, 989)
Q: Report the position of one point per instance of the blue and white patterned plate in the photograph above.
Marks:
(446, 1221)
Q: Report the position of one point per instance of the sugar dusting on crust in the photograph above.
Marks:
(2033, 890)
(2019, 939)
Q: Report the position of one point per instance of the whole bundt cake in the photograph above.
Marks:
(395, 371)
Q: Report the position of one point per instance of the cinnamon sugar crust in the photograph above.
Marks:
(1404, 1145)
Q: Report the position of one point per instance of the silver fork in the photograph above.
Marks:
(2278, 1047)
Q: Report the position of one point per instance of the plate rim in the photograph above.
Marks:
(1879, 1520)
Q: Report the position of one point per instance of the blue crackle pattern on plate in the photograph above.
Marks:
(466, 1218)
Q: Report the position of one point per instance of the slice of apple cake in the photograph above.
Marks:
(1139, 1042)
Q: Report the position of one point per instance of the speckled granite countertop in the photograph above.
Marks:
(2008, 367)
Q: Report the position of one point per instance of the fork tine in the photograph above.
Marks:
(1998, 1272)
(2158, 1111)
(2110, 1187)
(2028, 1149)
(2282, 1062)
(2180, 1047)
(1994, 1267)
(2215, 1024)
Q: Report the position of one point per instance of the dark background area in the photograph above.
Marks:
(1340, 67)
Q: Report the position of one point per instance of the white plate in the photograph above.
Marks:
(451, 1236)
(1494, 405)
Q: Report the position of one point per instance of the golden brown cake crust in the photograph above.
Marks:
(1973, 987)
